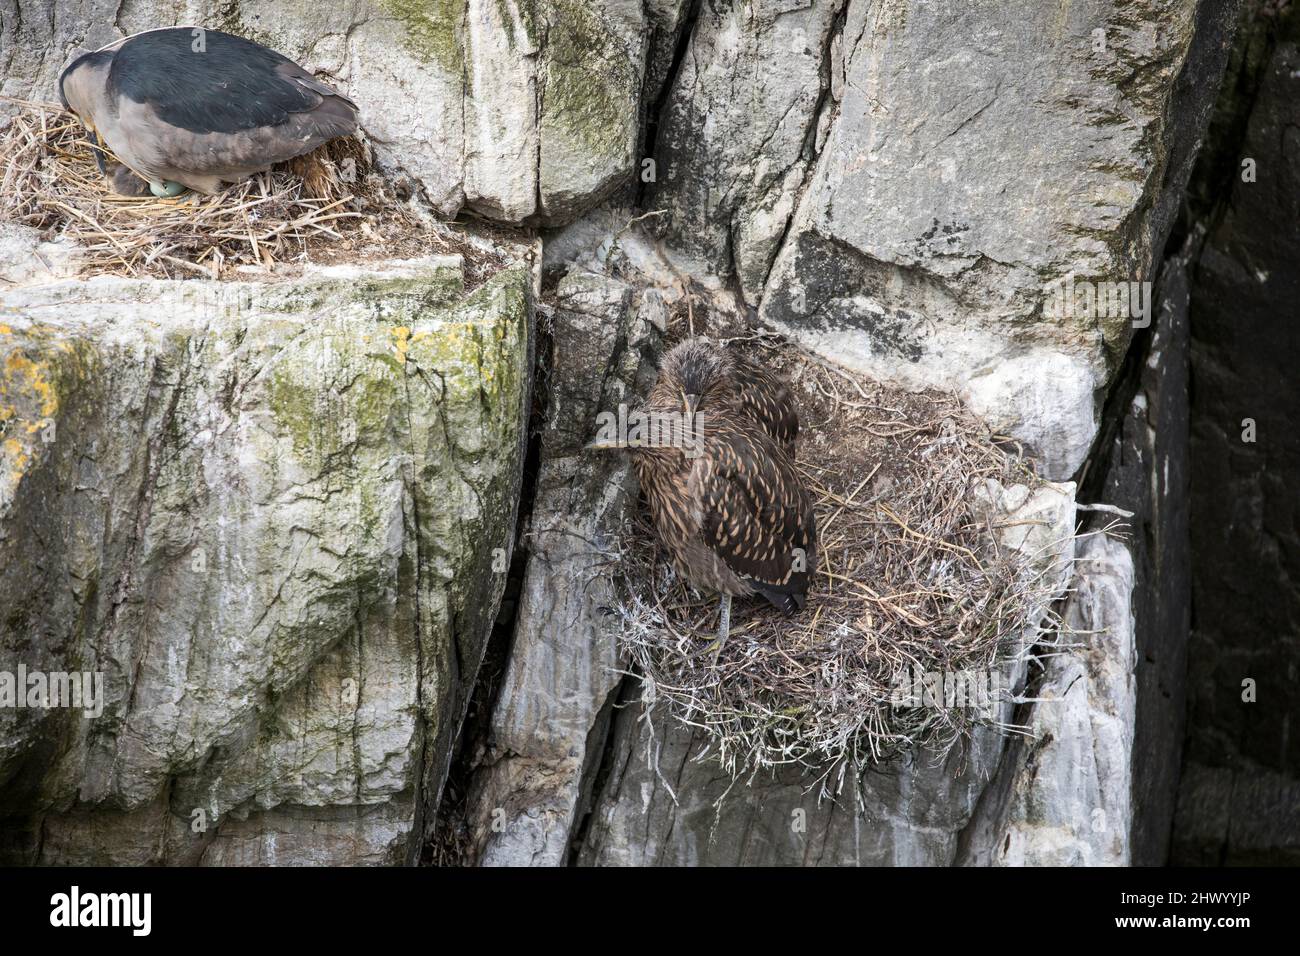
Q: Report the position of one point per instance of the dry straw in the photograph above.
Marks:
(912, 578)
(328, 205)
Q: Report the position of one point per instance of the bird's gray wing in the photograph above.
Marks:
(756, 516)
(212, 82)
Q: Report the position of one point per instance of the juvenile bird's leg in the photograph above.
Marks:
(724, 626)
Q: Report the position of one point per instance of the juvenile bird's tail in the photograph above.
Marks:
(785, 601)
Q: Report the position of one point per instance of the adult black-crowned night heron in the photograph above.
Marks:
(723, 492)
(190, 107)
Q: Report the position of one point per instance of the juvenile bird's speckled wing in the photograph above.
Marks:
(754, 513)
(178, 89)
(766, 399)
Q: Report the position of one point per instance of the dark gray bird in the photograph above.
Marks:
(727, 502)
(189, 107)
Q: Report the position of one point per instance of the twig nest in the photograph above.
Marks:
(313, 207)
(941, 555)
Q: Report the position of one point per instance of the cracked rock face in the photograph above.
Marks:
(974, 154)
(277, 516)
(522, 111)
(1063, 795)
(570, 770)
(548, 727)
(731, 152)
(265, 512)
(897, 184)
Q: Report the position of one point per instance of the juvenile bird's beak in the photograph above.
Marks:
(692, 405)
(602, 444)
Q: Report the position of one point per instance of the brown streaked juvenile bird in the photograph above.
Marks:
(725, 497)
(763, 396)
(187, 107)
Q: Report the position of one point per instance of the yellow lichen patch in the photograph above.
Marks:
(15, 454)
(29, 403)
(13, 465)
(401, 342)
(21, 374)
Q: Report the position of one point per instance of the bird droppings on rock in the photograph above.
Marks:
(931, 565)
(330, 206)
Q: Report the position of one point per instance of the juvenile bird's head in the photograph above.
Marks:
(689, 373)
(670, 424)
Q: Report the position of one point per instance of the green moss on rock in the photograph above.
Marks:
(433, 30)
(590, 82)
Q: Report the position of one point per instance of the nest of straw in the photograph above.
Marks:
(328, 205)
(911, 578)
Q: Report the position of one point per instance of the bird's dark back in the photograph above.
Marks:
(208, 81)
(756, 512)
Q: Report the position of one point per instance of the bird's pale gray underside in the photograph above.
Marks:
(202, 161)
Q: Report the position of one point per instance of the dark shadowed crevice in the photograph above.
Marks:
(662, 96)
(809, 154)
(1187, 807)
(1091, 476)
(449, 843)
(975, 844)
(602, 750)
(1240, 785)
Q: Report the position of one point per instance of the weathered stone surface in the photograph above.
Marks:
(731, 151)
(1064, 795)
(589, 85)
(548, 726)
(260, 510)
(959, 177)
(520, 110)
(659, 807)
(1245, 816)
(273, 514)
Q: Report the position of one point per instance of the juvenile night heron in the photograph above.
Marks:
(187, 107)
(723, 492)
(762, 396)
